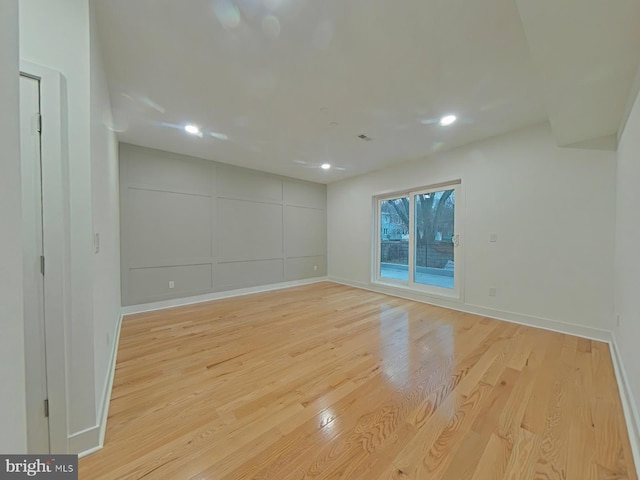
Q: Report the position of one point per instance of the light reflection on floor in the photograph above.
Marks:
(400, 355)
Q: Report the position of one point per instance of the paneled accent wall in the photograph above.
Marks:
(205, 227)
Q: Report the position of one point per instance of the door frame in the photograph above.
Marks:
(454, 293)
(33, 278)
(55, 224)
(457, 293)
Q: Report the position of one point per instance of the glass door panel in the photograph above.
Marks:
(434, 239)
(394, 239)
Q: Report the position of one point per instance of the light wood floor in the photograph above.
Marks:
(326, 381)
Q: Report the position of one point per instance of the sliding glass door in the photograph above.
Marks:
(418, 238)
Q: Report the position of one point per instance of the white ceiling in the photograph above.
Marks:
(272, 75)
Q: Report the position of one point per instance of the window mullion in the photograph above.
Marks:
(378, 227)
(411, 243)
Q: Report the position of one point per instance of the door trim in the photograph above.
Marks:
(457, 293)
(33, 266)
(55, 220)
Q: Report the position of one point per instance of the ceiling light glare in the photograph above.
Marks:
(271, 26)
(227, 13)
(219, 136)
(325, 166)
(192, 129)
(447, 120)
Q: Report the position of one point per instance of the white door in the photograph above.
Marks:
(33, 260)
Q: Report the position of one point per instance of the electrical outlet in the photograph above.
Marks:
(492, 291)
(315, 267)
(96, 242)
(172, 284)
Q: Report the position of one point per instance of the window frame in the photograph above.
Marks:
(457, 292)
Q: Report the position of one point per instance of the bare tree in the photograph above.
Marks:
(429, 212)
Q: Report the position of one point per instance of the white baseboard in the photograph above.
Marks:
(531, 321)
(180, 302)
(90, 444)
(629, 407)
(85, 441)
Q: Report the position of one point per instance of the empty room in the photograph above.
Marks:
(293, 239)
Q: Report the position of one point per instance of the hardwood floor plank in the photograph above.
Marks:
(494, 460)
(552, 462)
(536, 411)
(326, 381)
(465, 461)
(439, 457)
(522, 463)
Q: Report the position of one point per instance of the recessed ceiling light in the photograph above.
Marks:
(192, 129)
(325, 166)
(447, 120)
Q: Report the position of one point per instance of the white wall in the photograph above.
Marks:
(13, 434)
(106, 221)
(627, 252)
(552, 208)
(55, 34)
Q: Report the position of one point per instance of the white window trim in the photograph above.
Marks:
(455, 294)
